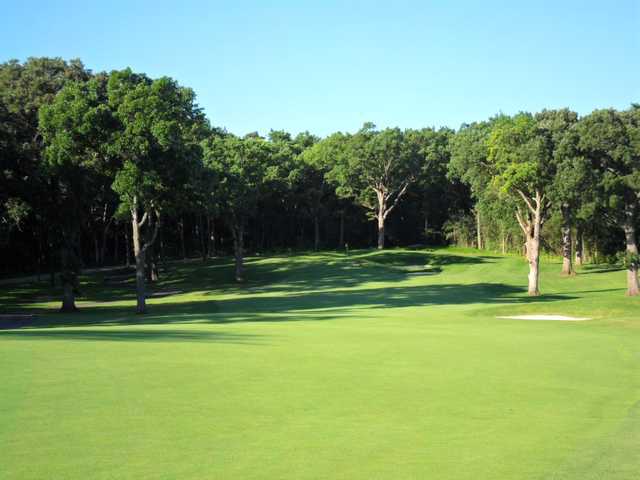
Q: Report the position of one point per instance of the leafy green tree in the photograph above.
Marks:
(469, 163)
(610, 139)
(75, 127)
(569, 181)
(573, 192)
(25, 182)
(375, 168)
(156, 145)
(438, 198)
(307, 187)
(520, 155)
(243, 170)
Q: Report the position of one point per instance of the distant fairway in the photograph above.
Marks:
(379, 365)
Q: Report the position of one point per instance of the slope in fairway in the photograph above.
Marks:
(378, 365)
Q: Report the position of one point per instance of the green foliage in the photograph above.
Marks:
(628, 260)
(469, 164)
(156, 139)
(369, 163)
(243, 168)
(520, 155)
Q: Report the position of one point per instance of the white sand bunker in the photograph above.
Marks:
(556, 318)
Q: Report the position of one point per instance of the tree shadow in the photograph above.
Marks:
(286, 273)
(149, 335)
(301, 306)
(422, 258)
(596, 269)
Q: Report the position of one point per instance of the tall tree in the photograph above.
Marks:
(437, 197)
(520, 156)
(375, 168)
(243, 169)
(610, 140)
(156, 147)
(24, 176)
(469, 164)
(75, 128)
(566, 189)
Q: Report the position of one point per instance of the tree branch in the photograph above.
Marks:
(523, 225)
(144, 219)
(526, 200)
(156, 226)
(398, 196)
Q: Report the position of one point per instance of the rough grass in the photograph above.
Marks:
(327, 366)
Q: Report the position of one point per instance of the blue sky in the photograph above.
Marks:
(324, 66)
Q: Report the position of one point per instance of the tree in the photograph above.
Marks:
(520, 157)
(438, 198)
(305, 178)
(469, 163)
(573, 194)
(243, 169)
(75, 127)
(611, 141)
(569, 182)
(156, 144)
(24, 177)
(373, 167)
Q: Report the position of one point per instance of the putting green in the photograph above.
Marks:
(327, 366)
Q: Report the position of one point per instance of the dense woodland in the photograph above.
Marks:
(118, 168)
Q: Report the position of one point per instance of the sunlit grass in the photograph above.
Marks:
(326, 366)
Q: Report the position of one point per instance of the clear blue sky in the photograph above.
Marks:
(324, 66)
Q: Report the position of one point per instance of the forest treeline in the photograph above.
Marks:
(117, 168)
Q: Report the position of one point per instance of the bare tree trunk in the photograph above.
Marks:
(380, 231)
(139, 254)
(478, 230)
(139, 251)
(155, 273)
(567, 267)
(579, 246)
(316, 233)
(531, 226)
(152, 256)
(632, 250)
(341, 237)
(238, 249)
(533, 257)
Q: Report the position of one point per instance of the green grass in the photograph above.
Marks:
(379, 365)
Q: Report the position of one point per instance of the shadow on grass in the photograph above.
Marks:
(286, 274)
(422, 258)
(303, 306)
(150, 335)
(316, 287)
(596, 269)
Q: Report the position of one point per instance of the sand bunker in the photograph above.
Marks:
(557, 318)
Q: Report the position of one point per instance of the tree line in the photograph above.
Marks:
(117, 167)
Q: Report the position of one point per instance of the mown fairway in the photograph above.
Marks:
(325, 366)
